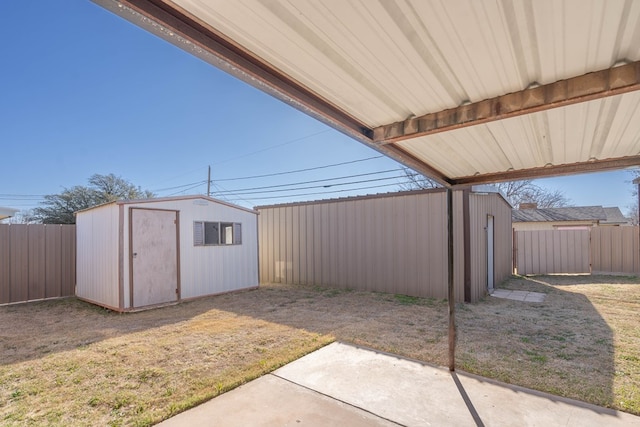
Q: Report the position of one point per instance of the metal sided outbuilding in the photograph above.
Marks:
(395, 243)
(139, 254)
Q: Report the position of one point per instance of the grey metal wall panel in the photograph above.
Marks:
(33, 262)
(37, 262)
(556, 251)
(5, 264)
(481, 206)
(393, 244)
(19, 256)
(68, 249)
(53, 262)
(615, 250)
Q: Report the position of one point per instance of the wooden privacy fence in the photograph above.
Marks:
(37, 261)
(599, 250)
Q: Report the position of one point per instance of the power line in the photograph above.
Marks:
(179, 186)
(251, 153)
(317, 180)
(298, 170)
(320, 186)
(182, 174)
(230, 193)
(21, 196)
(187, 189)
(183, 188)
(271, 147)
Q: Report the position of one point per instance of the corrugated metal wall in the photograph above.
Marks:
(98, 272)
(395, 243)
(615, 250)
(37, 261)
(480, 207)
(552, 251)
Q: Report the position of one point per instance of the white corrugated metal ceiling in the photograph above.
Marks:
(360, 65)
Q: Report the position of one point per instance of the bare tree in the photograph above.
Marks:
(632, 208)
(632, 213)
(23, 217)
(60, 208)
(516, 192)
(417, 181)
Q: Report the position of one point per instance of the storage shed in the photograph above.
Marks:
(395, 242)
(142, 253)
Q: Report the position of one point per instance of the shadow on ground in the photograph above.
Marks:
(563, 346)
(34, 329)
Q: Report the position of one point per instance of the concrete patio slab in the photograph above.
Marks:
(342, 385)
(391, 387)
(525, 296)
(271, 401)
(499, 404)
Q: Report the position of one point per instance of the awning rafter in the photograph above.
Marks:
(587, 87)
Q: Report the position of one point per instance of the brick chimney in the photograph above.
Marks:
(528, 206)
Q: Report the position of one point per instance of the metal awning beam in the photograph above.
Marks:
(587, 87)
(166, 20)
(169, 21)
(549, 171)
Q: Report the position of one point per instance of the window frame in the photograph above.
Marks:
(200, 233)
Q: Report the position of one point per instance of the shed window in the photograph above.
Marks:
(209, 233)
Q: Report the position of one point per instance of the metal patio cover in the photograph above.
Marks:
(464, 91)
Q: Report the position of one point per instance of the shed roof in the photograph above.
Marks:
(355, 198)
(169, 199)
(480, 191)
(548, 87)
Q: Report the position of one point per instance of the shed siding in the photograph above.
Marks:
(97, 255)
(206, 270)
(393, 244)
(103, 236)
(480, 206)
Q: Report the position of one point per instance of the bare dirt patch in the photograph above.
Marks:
(66, 362)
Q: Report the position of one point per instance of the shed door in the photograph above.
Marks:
(490, 253)
(154, 257)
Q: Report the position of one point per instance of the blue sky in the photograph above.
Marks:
(84, 92)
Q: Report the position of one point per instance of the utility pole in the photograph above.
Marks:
(209, 183)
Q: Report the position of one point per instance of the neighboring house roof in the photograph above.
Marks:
(7, 212)
(614, 216)
(574, 213)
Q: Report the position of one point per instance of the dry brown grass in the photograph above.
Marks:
(67, 362)
(583, 342)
